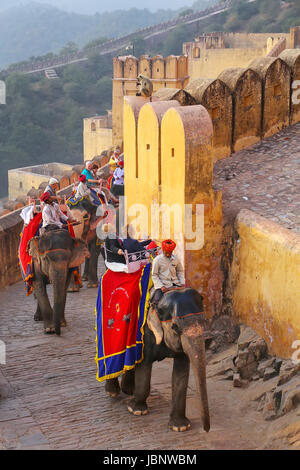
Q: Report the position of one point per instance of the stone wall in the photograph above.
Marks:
(265, 279)
(211, 53)
(97, 136)
(22, 180)
(216, 97)
(170, 72)
(10, 229)
(262, 100)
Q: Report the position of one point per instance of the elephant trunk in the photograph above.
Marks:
(194, 347)
(59, 297)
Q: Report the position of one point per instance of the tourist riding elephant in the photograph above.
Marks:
(85, 212)
(174, 330)
(54, 254)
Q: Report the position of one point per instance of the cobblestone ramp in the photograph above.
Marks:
(50, 398)
(264, 178)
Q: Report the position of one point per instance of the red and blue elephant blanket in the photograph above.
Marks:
(121, 314)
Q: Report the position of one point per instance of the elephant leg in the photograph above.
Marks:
(70, 276)
(93, 265)
(38, 314)
(72, 286)
(85, 276)
(127, 382)
(112, 387)
(137, 405)
(44, 305)
(180, 378)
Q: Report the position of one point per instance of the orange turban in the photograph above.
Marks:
(168, 246)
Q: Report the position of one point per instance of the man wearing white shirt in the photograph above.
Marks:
(53, 217)
(118, 185)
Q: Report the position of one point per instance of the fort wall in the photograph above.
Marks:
(210, 54)
(265, 278)
(10, 229)
(97, 136)
(22, 180)
(175, 163)
(262, 96)
(170, 72)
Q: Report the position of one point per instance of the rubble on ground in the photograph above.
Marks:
(247, 363)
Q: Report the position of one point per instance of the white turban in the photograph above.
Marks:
(53, 181)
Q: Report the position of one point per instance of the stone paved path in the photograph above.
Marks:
(50, 398)
(264, 178)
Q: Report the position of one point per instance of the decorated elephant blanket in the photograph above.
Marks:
(29, 231)
(98, 199)
(121, 313)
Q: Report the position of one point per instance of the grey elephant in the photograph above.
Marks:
(175, 330)
(54, 254)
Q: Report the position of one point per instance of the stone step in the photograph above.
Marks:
(51, 74)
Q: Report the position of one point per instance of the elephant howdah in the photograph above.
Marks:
(54, 254)
(174, 330)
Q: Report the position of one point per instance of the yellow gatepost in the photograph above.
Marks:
(186, 184)
(149, 158)
(132, 107)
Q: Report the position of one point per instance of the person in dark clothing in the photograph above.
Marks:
(133, 246)
(113, 245)
(130, 244)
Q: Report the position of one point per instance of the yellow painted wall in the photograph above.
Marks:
(131, 109)
(20, 181)
(265, 281)
(173, 162)
(187, 168)
(95, 142)
(170, 72)
(213, 61)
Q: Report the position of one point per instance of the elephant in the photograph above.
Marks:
(174, 329)
(85, 212)
(54, 254)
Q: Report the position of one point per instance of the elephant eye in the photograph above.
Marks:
(175, 328)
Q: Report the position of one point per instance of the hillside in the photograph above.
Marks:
(42, 121)
(94, 6)
(35, 29)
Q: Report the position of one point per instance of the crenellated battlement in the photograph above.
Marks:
(169, 72)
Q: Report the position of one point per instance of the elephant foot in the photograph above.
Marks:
(63, 323)
(49, 330)
(137, 409)
(92, 285)
(38, 317)
(74, 289)
(179, 424)
(84, 278)
(112, 388)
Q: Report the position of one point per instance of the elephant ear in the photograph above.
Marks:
(79, 253)
(154, 324)
(32, 247)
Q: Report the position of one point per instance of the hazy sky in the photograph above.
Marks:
(92, 6)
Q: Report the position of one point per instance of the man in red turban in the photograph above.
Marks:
(167, 271)
(53, 217)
